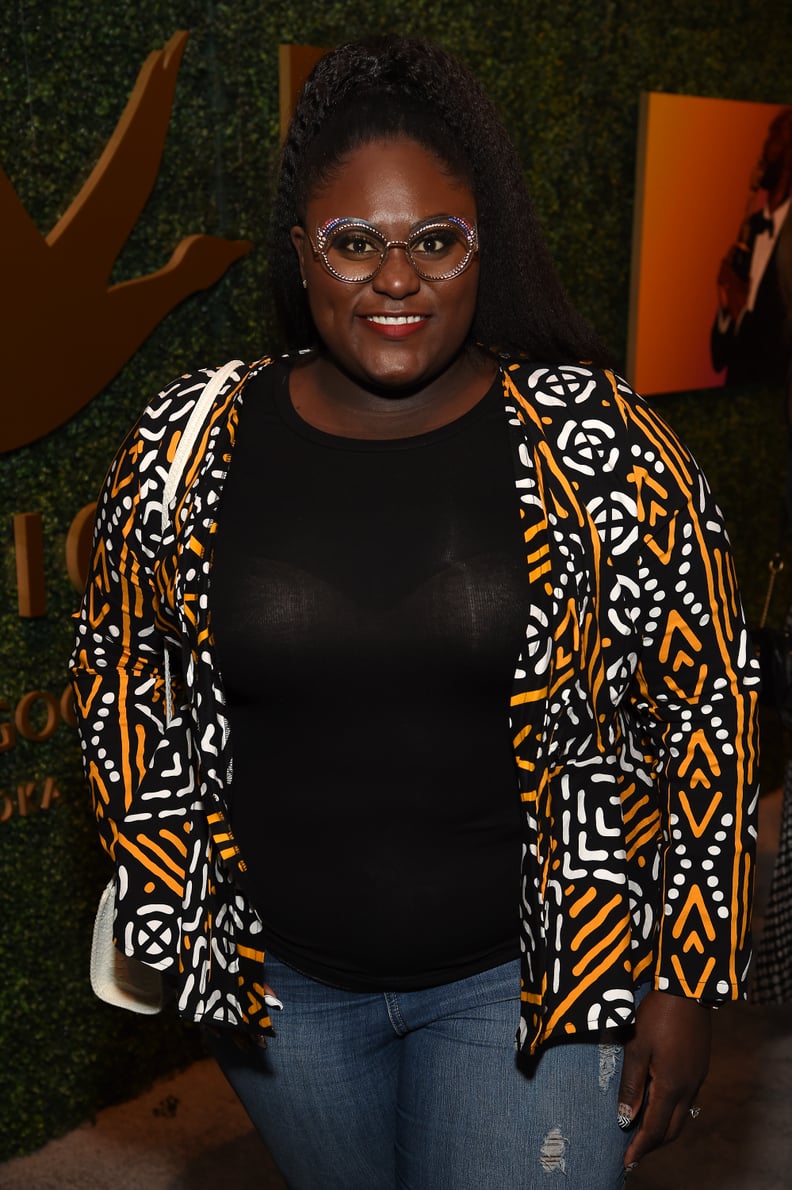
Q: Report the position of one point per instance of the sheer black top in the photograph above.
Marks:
(368, 602)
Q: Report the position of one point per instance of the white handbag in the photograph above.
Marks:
(117, 978)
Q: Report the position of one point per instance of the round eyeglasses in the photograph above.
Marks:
(354, 250)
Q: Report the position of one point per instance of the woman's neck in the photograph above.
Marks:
(329, 399)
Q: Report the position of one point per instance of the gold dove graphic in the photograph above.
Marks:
(57, 300)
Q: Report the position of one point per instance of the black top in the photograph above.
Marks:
(368, 603)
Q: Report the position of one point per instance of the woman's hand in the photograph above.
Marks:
(665, 1063)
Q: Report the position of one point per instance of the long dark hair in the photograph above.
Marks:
(393, 86)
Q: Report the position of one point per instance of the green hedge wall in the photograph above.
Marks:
(567, 78)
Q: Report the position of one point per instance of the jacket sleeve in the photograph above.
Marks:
(696, 699)
(117, 663)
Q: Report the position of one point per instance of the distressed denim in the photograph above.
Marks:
(421, 1091)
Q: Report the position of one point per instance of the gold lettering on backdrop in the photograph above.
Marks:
(24, 797)
(295, 63)
(28, 799)
(29, 549)
(28, 722)
(22, 718)
(36, 718)
(7, 733)
(59, 283)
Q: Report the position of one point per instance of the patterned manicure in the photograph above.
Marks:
(624, 1118)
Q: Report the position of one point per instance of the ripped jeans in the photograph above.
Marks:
(420, 1091)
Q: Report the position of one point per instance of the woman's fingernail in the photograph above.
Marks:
(624, 1117)
(629, 1168)
(272, 1001)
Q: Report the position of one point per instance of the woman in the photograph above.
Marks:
(464, 741)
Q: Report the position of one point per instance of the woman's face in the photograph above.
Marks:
(394, 185)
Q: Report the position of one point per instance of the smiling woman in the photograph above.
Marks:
(464, 742)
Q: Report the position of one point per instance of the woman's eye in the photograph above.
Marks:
(434, 243)
(355, 244)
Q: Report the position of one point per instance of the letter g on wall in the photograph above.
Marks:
(56, 286)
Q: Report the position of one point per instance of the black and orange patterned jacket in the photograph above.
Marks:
(632, 713)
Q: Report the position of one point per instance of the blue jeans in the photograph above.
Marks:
(421, 1091)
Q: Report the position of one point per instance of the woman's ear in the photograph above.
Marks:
(299, 239)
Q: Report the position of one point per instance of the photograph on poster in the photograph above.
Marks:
(711, 277)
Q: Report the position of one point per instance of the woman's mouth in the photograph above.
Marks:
(395, 326)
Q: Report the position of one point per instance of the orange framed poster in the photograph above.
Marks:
(698, 173)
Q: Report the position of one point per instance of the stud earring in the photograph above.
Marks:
(305, 283)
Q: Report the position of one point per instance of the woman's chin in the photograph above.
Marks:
(396, 374)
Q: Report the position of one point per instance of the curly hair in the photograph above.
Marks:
(394, 86)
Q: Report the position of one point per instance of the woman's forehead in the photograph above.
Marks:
(392, 179)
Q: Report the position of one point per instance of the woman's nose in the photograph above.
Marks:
(396, 276)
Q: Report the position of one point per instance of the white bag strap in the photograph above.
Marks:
(193, 428)
(195, 423)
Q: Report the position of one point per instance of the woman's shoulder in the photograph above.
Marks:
(606, 438)
(178, 398)
(146, 455)
(579, 401)
(571, 388)
(186, 403)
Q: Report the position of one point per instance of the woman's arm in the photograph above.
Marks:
(117, 663)
(696, 699)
